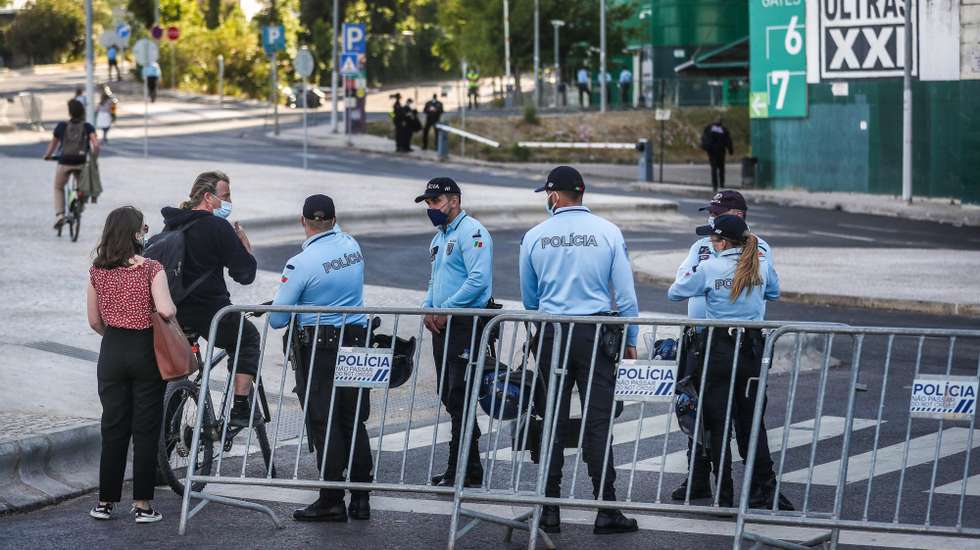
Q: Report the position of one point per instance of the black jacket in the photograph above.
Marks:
(211, 246)
(715, 140)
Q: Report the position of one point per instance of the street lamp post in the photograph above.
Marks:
(537, 55)
(602, 56)
(89, 66)
(907, 109)
(557, 24)
(333, 73)
(506, 45)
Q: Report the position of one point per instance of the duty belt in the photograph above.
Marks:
(328, 335)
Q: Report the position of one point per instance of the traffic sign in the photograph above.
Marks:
(354, 38)
(777, 80)
(303, 64)
(349, 65)
(156, 32)
(173, 33)
(123, 31)
(273, 38)
(662, 114)
(146, 52)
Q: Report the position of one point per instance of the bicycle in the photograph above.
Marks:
(180, 406)
(74, 204)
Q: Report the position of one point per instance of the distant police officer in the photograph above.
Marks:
(473, 87)
(576, 263)
(462, 277)
(735, 281)
(328, 272)
(724, 203)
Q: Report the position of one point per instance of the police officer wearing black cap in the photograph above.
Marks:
(724, 203)
(328, 272)
(462, 277)
(576, 263)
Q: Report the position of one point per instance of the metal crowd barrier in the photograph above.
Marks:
(900, 459)
(403, 462)
(33, 109)
(516, 470)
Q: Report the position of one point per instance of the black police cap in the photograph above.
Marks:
(563, 178)
(438, 186)
(319, 207)
(728, 227)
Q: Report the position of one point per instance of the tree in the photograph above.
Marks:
(143, 11)
(48, 31)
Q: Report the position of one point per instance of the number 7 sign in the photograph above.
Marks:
(777, 79)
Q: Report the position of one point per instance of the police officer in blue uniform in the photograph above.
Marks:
(726, 202)
(735, 283)
(462, 277)
(576, 263)
(328, 272)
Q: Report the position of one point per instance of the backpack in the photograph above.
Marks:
(75, 142)
(170, 248)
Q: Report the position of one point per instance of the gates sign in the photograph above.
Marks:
(777, 41)
(363, 367)
(865, 38)
(947, 397)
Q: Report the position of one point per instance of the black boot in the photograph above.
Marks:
(320, 512)
(700, 488)
(550, 519)
(608, 522)
(360, 505)
(762, 493)
(726, 495)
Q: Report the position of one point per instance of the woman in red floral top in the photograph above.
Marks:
(124, 290)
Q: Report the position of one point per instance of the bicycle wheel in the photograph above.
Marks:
(75, 222)
(180, 408)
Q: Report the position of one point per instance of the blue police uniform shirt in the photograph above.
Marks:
(713, 279)
(328, 272)
(701, 251)
(462, 265)
(572, 264)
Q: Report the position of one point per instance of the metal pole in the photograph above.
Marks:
(537, 56)
(602, 56)
(506, 44)
(907, 109)
(221, 80)
(333, 73)
(173, 65)
(89, 66)
(275, 93)
(556, 23)
(662, 92)
(146, 115)
(347, 100)
(306, 136)
(462, 124)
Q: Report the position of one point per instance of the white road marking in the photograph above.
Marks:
(394, 442)
(921, 451)
(801, 433)
(867, 227)
(647, 522)
(842, 236)
(954, 488)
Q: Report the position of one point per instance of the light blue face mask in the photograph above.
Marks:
(223, 211)
(548, 206)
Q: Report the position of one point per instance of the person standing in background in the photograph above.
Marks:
(626, 87)
(715, 140)
(582, 81)
(433, 112)
(112, 54)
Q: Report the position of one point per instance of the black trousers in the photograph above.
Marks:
(344, 431)
(425, 134)
(151, 85)
(600, 406)
(624, 90)
(717, 163)
(198, 319)
(692, 362)
(113, 64)
(460, 349)
(583, 95)
(473, 97)
(131, 393)
(743, 403)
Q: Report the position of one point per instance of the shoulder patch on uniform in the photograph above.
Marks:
(478, 234)
(433, 252)
(290, 266)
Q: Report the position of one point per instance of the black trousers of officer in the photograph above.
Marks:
(600, 405)
(743, 404)
(343, 430)
(692, 362)
(425, 133)
(460, 348)
(717, 162)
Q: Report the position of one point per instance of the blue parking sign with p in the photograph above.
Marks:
(354, 38)
(273, 38)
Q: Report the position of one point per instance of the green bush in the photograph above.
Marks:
(48, 31)
(520, 154)
(531, 114)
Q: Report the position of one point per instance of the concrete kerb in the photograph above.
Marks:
(918, 306)
(46, 468)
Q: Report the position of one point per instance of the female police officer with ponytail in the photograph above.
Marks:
(735, 283)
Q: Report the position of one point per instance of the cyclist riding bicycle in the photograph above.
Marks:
(212, 245)
(72, 140)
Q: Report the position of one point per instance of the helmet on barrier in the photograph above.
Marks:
(665, 349)
(503, 395)
(403, 362)
(686, 407)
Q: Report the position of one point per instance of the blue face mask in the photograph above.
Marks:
(548, 206)
(437, 217)
(223, 211)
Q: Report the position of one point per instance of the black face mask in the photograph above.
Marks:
(437, 216)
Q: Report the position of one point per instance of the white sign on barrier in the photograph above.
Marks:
(645, 380)
(363, 367)
(947, 397)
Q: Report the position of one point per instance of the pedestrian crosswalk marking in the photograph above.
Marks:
(954, 488)
(922, 450)
(801, 433)
(421, 436)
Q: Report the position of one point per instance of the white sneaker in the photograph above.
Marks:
(101, 511)
(146, 516)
